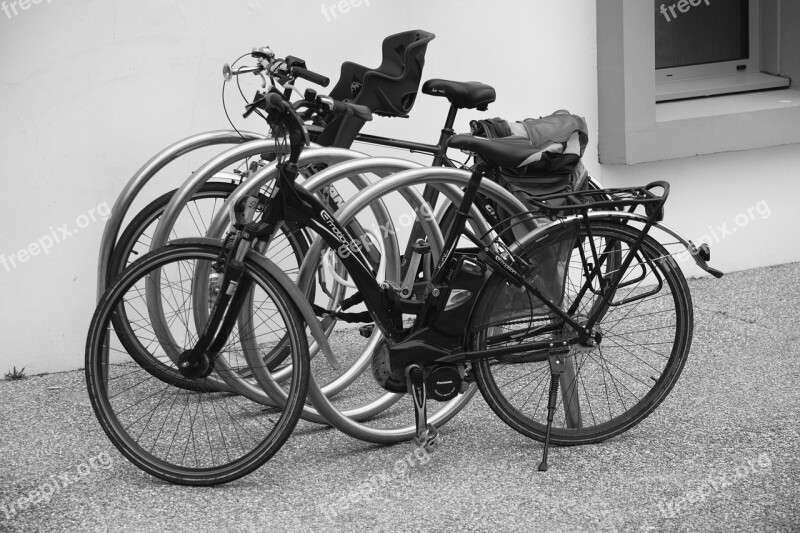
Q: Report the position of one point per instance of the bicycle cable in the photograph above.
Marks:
(224, 105)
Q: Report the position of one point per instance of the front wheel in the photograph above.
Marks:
(180, 429)
(287, 249)
(608, 388)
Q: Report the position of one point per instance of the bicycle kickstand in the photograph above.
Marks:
(427, 435)
(557, 367)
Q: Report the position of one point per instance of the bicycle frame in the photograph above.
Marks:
(438, 150)
(292, 203)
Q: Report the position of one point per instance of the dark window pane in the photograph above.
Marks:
(693, 32)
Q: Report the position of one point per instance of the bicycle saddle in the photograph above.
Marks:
(464, 95)
(509, 152)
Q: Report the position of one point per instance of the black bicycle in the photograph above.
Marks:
(587, 306)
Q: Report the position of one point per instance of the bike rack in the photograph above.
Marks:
(449, 181)
(143, 176)
(410, 174)
(353, 170)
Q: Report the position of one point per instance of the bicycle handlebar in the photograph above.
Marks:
(281, 115)
(346, 108)
(228, 73)
(286, 69)
(313, 77)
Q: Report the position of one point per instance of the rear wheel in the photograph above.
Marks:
(179, 429)
(607, 388)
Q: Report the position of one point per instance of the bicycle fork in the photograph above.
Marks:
(230, 296)
(198, 362)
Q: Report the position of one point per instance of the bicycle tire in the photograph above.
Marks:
(504, 382)
(114, 377)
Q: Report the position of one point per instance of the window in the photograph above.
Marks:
(633, 128)
(707, 48)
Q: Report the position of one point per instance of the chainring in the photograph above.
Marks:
(388, 379)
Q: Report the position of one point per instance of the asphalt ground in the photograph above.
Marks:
(720, 454)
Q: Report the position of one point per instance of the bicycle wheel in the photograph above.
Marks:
(287, 249)
(607, 388)
(189, 434)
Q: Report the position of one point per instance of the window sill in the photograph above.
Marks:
(731, 104)
(719, 124)
(718, 85)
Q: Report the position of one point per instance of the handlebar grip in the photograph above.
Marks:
(313, 77)
(353, 110)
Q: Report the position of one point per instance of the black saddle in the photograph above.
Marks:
(464, 95)
(508, 152)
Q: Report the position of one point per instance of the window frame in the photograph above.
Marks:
(723, 77)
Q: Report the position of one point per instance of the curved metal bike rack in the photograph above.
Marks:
(144, 175)
(352, 170)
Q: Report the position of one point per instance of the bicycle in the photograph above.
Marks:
(460, 95)
(518, 320)
(139, 231)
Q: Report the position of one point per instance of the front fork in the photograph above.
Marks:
(231, 291)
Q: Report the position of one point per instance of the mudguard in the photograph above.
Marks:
(701, 254)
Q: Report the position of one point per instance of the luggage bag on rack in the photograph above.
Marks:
(561, 139)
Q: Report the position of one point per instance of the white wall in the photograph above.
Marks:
(91, 90)
(742, 203)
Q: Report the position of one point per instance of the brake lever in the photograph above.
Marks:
(258, 101)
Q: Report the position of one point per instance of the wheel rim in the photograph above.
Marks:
(607, 388)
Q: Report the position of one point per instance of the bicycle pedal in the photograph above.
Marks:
(430, 441)
(366, 330)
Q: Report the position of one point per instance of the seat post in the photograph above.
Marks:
(447, 132)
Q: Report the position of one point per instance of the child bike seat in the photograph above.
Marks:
(389, 90)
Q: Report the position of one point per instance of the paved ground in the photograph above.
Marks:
(721, 454)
